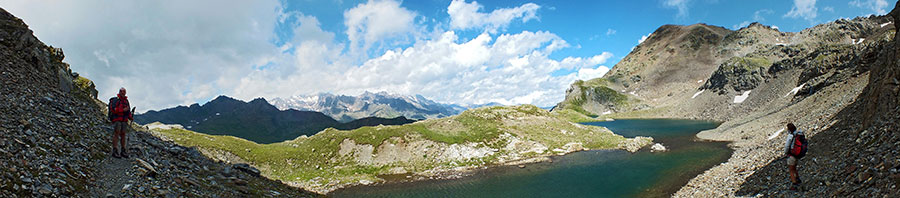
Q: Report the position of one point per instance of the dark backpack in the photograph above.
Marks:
(798, 148)
(111, 106)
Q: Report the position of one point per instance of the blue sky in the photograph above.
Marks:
(611, 26)
(171, 53)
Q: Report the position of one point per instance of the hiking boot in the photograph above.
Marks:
(115, 153)
(796, 187)
(123, 154)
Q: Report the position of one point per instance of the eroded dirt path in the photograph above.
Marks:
(115, 173)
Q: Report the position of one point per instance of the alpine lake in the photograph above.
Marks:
(596, 173)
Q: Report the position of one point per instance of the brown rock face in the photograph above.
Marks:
(881, 95)
(896, 15)
(856, 156)
(15, 35)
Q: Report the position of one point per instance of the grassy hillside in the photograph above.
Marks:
(478, 137)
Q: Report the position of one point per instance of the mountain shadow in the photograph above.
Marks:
(256, 120)
(855, 157)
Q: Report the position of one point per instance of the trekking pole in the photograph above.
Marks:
(130, 122)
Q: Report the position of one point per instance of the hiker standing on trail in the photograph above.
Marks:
(120, 113)
(795, 148)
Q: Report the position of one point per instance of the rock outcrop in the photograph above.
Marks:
(838, 81)
(54, 140)
(588, 97)
(737, 74)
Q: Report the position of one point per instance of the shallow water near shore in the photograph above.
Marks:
(599, 173)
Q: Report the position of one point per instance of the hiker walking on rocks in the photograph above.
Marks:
(795, 148)
(120, 113)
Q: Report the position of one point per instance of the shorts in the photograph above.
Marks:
(120, 126)
(791, 161)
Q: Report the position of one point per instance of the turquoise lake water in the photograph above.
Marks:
(602, 173)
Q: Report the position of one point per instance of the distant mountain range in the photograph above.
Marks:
(382, 104)
(256, 120)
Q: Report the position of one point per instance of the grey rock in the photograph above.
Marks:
(246, 168)
(46, 190)
(239, 182)
(150, 170)
(176, 149)
(227, 171)
(26, 124)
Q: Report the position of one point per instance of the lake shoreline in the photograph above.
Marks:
(461, 172)
(660, 186)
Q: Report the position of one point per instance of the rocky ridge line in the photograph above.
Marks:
(835, 80)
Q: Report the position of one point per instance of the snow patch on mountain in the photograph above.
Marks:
(382, 104)
(741, 98)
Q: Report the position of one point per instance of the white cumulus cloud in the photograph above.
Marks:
(166, 60)
(165, 52)
(805, 9)
(591, 73)
(681, 5)
(465, 16)
(644, 38)
(376, 20)
(610, 31)
(878, 6)
(757, 17)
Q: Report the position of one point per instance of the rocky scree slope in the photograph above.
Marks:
(758, 80)
(53, 138)
(434, 148)
(857, 156)
(256, 120)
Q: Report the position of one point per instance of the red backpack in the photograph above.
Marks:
(117, 109)
(798, 148)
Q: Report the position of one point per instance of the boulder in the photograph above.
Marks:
(658, 148)
(635, 144)
(146, 166)
(573, 146)
(246, 168)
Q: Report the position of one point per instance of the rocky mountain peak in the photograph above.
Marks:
(676, 32)
(679, 59)
(258, 101)
(673, 56)
(223, 98)
(382, 104)
(759, 25)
